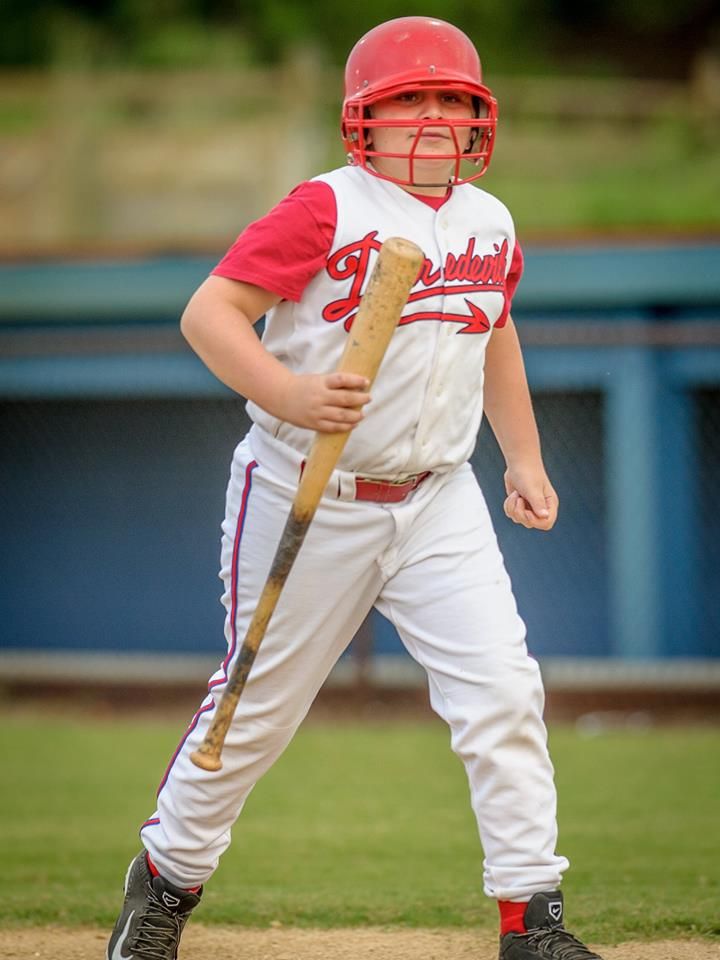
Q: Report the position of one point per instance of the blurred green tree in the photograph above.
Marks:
(636, 37)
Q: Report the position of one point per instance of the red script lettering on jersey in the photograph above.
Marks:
(468, 273)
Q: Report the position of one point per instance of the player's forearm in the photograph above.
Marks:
(224, 338)
(507, 401)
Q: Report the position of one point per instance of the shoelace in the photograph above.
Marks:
(158, 931)
(560, 944)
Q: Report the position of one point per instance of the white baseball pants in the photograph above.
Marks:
(431, 564)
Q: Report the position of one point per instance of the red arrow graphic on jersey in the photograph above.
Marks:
(477, 322)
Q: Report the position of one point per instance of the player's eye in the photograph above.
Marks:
(456, 99)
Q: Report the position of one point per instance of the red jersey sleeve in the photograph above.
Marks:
(284, 250)
(511, 282)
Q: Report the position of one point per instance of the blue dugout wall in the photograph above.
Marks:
(116, 444)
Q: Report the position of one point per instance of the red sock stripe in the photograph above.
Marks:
(156, 873)
(512, 916)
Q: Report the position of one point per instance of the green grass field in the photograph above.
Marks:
(364, 824)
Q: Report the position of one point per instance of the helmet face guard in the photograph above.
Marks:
(358, 124)
(411, 54)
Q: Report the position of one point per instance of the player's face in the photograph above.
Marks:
(437, 140)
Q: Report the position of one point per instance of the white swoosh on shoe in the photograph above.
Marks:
(117, 953)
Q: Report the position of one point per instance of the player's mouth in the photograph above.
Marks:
(433, 136)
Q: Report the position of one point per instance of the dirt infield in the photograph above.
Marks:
(49, 943)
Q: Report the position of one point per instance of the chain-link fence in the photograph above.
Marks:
(117, 443)
(111, 512)
(705, 598)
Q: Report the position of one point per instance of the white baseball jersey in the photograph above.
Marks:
(427, 399)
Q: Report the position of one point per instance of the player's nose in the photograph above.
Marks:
(432, 106)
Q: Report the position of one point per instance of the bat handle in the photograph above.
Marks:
(207, 756)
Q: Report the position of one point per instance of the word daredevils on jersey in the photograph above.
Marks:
(426, 402)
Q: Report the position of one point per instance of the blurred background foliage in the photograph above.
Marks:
(173, 124)
(631, 37)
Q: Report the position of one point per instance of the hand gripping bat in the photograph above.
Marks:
(395, 272)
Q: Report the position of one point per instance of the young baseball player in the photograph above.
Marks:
(402, 525)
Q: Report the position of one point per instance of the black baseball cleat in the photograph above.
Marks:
(152, 918)
(545, 938)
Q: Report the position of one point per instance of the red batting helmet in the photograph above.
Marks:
(411, 53)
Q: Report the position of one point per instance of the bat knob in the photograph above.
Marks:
(206, 760)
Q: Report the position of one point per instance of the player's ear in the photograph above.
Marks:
(480, 110)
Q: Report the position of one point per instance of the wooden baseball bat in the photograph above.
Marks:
(395, 272)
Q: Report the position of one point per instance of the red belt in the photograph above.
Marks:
(387, 491)
(384, 491)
